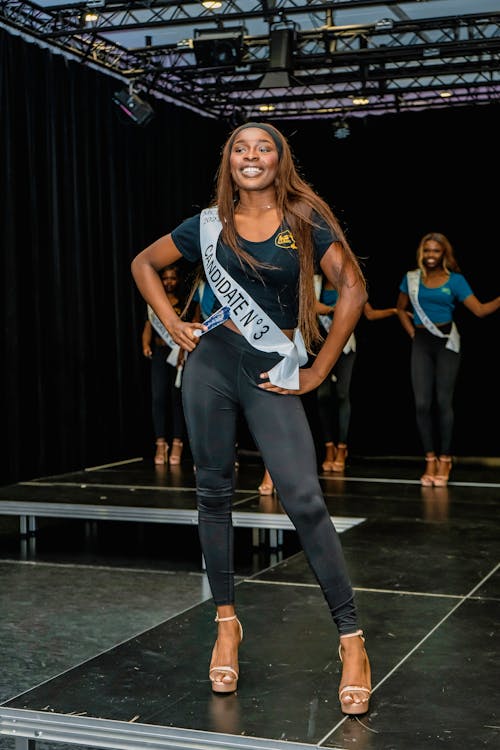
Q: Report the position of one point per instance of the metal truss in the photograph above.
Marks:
(115, 16)
(388, 66)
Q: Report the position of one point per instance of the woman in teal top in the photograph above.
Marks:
(435, 355)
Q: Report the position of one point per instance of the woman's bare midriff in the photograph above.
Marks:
(229, 324)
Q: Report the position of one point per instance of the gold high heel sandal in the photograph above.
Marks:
(339, 463)
(176, 452)
(161, 452)
(219, 686)
(441, 479)
(427, 480)
(330, 455)
(361, 706)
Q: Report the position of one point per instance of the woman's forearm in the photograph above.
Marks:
(347, 313)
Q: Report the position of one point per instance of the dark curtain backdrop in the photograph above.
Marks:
(395, 178)
(83, 191)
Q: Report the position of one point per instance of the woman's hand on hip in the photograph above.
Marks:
(308, 381)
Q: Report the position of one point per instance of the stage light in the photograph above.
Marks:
(133, 107)
(216, 47)
(384, 24)
(275, 79)
(90, 19)
(360, 101)
(341, 129)
(281, 42)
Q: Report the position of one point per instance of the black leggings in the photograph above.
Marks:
(334, 401)
(166, 399)
(221, 377)
(434, 370)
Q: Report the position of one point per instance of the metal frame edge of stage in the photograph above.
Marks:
(154, 515)
(28, 726)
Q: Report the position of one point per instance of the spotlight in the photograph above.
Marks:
(275, 79)
(216, 47)
(385, 24)
(135, 108)
(90, 19)
(281, 41)
(341, 129)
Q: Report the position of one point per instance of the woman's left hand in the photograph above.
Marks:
(308, 381)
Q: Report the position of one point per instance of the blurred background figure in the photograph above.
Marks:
(334, 401)
(166, 372)
(433, 290)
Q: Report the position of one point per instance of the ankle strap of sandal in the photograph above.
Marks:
(224, 619)
(431, 458)
(351, 635)
(445, 459)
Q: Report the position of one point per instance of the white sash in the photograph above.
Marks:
(164, 334)
(413, 278)
(326, 321)
(255, 324)
(350, 344)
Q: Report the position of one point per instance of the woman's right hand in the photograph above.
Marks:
(183, 333)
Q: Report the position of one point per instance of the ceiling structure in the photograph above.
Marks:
(280, 59)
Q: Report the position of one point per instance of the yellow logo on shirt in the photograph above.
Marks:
(285, 239)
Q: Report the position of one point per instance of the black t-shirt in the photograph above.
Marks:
(275, 289)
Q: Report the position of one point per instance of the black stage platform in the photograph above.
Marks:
(424, 563)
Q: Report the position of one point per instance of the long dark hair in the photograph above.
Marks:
(298, 204)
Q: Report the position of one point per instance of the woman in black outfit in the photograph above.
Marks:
(259, 245)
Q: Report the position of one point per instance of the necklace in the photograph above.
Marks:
(256, 208)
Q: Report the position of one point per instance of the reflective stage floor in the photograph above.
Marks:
(106, 624)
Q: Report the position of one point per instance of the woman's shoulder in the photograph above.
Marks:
(192, 222)
(322, 234)
(457, 279)
(186, 237)
(412, 273)
(187, 229)
(460, 285)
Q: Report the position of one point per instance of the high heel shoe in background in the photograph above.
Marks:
(266, 487)
(340, 457)
(176, 452)
(363, 691)
(221, 686)
(161, 452)
(427, 479)
(443, 471)
(330, 454)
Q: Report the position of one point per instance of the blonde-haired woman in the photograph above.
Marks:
(433, 290)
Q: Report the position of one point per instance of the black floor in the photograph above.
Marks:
(113, 620)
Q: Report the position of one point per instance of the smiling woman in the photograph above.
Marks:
(433, 289)
(260, 244)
